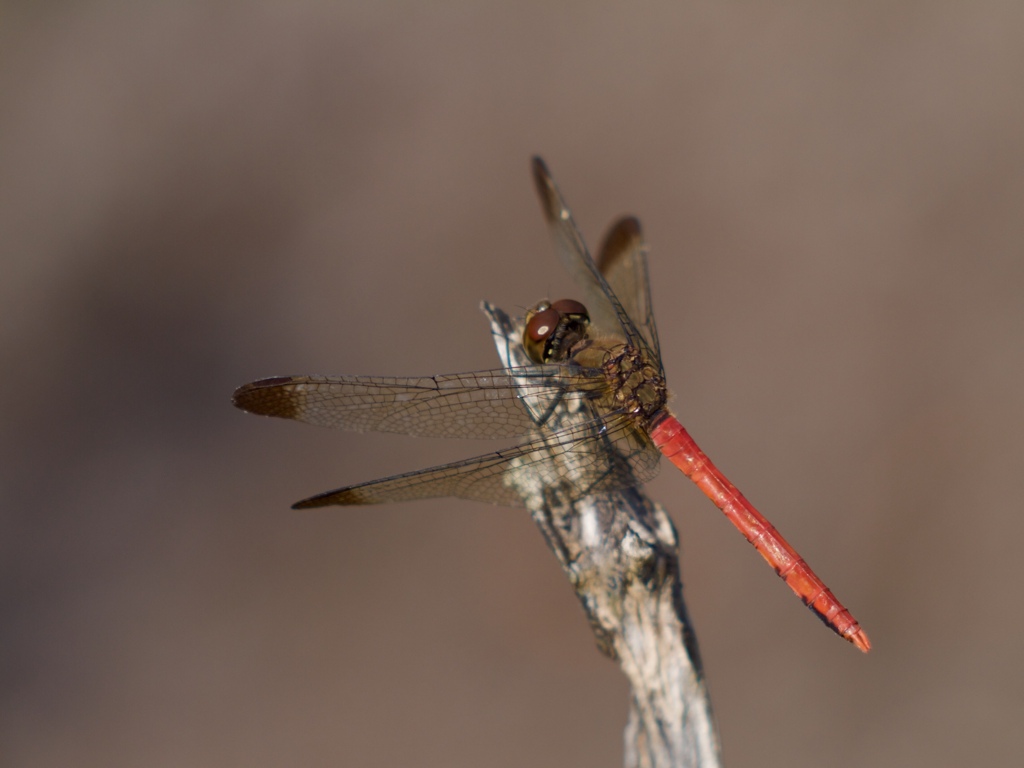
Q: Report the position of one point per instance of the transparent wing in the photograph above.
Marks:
(607, 314)
(596, 456)
(623, 262)
(483, 404)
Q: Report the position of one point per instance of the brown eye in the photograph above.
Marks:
(542, 324)
(572, 308)
(552, 330)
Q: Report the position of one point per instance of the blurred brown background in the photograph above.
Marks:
(194, 195)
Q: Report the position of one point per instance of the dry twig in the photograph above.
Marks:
(621, 555)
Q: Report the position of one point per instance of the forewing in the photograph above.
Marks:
(590, 458)
(607, 315)
(483, 404)
(623, 262)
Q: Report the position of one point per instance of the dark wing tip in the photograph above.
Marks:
(267, 397)
(622, 237)
(346, 497)
(629, 226)
(550, 200)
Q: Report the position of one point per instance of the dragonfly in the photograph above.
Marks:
(601, 358)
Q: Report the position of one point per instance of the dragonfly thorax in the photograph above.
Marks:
(635, 384)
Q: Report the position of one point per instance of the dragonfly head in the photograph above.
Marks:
(553, 329)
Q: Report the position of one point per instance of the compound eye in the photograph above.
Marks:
(571, 308)
(542, 325)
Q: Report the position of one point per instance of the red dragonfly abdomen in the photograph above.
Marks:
(678, 447)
